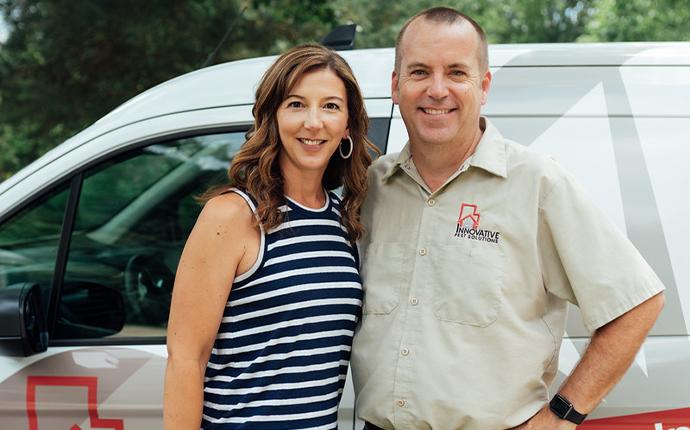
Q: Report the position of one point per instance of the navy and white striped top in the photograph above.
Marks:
(283, 347)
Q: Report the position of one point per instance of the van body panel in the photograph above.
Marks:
(590, 54)
(590, 91)
(655, 382)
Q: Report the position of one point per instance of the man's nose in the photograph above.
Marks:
(438, 87)
(313, 120)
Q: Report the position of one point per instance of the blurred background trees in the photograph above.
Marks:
(64, 64)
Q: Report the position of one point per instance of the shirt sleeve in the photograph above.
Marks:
(585, 258)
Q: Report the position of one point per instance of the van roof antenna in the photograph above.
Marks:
(341, 38)
(212, 56)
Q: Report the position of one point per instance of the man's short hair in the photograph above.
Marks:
(446, 15)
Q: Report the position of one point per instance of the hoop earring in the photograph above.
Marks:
(340, 148)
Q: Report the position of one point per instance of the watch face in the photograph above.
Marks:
(560, 406)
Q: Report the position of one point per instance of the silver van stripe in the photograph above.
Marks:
(642, 220)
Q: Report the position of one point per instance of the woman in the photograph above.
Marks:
(267, 292)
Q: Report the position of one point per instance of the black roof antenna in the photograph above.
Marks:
(341, 38)
(212, 56)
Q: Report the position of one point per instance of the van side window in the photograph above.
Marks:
(133, 217)
(29, 243)
(378, 132)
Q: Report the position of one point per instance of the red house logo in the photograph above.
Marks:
(469, 216)
(91, 404)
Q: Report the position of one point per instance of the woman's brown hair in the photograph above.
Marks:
(255, 167)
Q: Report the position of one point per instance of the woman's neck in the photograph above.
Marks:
(305, 188)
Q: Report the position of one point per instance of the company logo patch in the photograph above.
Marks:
(468, 225)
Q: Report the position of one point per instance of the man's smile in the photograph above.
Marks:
(436, 111)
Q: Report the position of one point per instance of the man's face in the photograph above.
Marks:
(440, 86)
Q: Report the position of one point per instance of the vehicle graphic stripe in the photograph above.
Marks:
(642, 220)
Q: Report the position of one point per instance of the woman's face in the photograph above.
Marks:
(312, 121)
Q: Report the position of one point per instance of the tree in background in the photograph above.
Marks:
(505, 21)
(67, 63)
(635, 20)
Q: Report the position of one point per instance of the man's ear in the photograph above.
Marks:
(486, 84)
(394, 87)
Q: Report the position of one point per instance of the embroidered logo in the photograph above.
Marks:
(468, 225)
(469, 217)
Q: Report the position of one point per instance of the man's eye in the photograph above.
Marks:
(418, 72)
(458, 73)
(332, 106)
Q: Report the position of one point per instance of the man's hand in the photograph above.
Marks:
(545, 420)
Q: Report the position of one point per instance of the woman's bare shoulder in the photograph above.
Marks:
(227, 212)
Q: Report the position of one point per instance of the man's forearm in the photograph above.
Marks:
(605, 361)
(609, 354)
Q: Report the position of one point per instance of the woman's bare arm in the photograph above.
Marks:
(224, 242)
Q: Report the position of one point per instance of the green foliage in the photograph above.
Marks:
(276, 25)
(67, 63)
(17, 146)
(529, 21)
(505, 21)
(639, 20)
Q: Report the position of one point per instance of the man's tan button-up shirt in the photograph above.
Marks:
(466, 287)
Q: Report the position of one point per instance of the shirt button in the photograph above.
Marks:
(400, 403)
(405, 352)
(414, 301)
(422, 251)
(431, 202)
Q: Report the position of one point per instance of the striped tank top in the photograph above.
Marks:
(280, 358)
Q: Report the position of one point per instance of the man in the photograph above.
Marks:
(474, 246)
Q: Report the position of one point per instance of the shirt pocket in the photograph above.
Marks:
(382, 277)
(468, 281)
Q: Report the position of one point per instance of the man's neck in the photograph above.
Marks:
(437, 163)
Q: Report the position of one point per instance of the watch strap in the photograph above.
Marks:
(563, 409)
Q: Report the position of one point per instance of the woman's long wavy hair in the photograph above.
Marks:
(255, 167)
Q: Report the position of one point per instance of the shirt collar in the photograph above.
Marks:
(404, 162)
(490, 154)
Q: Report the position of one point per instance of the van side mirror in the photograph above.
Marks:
(89, 311)
(23, 328)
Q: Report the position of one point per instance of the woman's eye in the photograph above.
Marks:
(294, 104)
(332, 106)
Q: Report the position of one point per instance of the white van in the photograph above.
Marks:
(91, 233)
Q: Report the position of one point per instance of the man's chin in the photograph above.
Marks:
(440, 138)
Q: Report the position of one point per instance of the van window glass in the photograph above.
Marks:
(29, 243)
(141, 173)
(133, 217)
(378, 132)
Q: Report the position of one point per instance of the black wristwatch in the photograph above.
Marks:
(564, 410)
